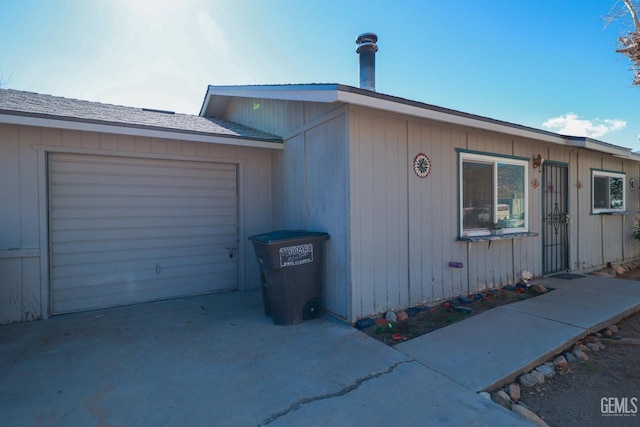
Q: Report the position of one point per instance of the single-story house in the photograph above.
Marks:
(105, 205)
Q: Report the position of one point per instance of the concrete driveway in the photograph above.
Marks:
(216, 360)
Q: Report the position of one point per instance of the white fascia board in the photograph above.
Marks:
(137, 131)
(416, 111)
(311, 93)
(602, 147)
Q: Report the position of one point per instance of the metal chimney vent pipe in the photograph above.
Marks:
(367, 49)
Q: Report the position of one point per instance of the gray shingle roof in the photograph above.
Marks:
(15, 102)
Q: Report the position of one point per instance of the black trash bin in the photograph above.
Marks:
(289, 269)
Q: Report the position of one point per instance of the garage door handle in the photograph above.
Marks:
(232, 251)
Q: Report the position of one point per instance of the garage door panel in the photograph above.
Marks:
(93, 165)
(146, 212)
(140, 233)
(119, 191)
(151, 253)
(91, 178)
(155, 266)
(105, 280)
(134, 222)
(125, 202)
(132, 230)
(140, 290)
(77, 247)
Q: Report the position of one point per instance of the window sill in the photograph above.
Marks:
(613, 213)
(489, 238)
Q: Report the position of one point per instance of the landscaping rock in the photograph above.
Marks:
(539, 376)
(613, 328)
(528, 414)
(560, 362)
(547, 370)
(593, 346)
(608, 333)
(619, 269)
(485, 394)
(402, 316)
(391, 316)
(364, 323)
(465, 300)
(539, 289)
(579, 354)
(514, 392)
(502, 398)
(569, 356)
(463, 309)
(381, 322)
(413, 311)
(527, 380)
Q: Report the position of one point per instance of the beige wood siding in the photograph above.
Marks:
(310, 179)
(24, 281)
(404, 229)
(19, 230)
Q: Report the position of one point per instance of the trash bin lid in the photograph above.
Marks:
(279, 235)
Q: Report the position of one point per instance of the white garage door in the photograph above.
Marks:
(128, 230)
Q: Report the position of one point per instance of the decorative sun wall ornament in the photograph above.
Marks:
(535, 183)
(422, 165)
(632, 184)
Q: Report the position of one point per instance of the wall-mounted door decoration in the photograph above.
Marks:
(422, 165)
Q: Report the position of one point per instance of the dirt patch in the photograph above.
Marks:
(422, 320)
(607, 382)
(576, 399)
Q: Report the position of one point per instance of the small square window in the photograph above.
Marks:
(607, 192)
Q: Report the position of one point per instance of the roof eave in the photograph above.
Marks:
(217, 96)
(461, 119)
(136, 130)
(595, 145)
(330, 93)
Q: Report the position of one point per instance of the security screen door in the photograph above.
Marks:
(555, 227)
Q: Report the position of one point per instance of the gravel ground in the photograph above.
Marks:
(580, 397)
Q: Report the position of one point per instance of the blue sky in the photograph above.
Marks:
(548, 64)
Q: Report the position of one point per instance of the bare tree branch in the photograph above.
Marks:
(630, 39)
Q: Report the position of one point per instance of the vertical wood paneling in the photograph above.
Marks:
(378, 213)
(143, 144)
(630, 245)
(20, 221)
(27, 186)
(326, 160)
(364, 221)
(527, 253)
(9, 187)
(11, 290)
(91, 140)
(108, 141)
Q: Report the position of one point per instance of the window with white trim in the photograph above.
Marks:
(607, 191)
(493, 194)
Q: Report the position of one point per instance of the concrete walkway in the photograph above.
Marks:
(216, 360)
(498, 345)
